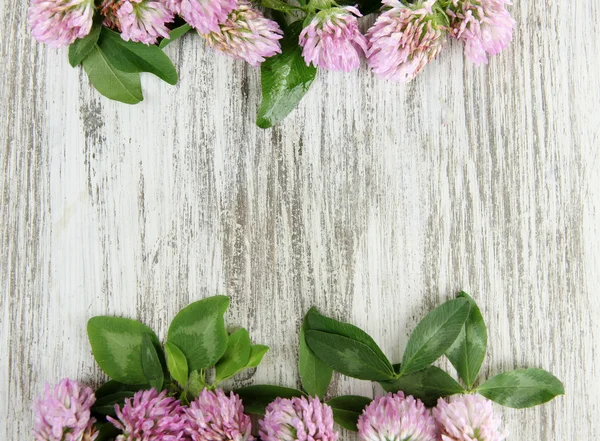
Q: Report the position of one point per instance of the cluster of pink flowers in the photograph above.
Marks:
(395, 417)
(234, 27)
(406, 36)
(63, 414)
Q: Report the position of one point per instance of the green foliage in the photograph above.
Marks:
(236, 357)
(315, 374)
(428, 385)
(522, 388)
(117, 347)
(285, 79)
(468, 351)
(434, 335)
(177, 363)
(198, 330)
(347, 409)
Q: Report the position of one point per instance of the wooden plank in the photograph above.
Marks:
(373, 201)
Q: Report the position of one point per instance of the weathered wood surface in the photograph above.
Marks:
(373, 201)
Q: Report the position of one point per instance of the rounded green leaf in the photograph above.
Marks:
(434, 335)
(427, 385)
(198, 330)
(117, 347)
(347, 409)
(257, 398)
(236, 356)
(349, 357)
(177, 364)
(468, 351)
(522, 388)
(314, 374)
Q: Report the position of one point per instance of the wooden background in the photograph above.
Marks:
(373, 201)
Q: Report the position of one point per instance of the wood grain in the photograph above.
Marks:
(373, 201)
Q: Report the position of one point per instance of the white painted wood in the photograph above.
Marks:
(373, 201)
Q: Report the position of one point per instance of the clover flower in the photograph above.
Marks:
(404, 39)
(60, 22)
(144, 20)
(485, 26)
(397, 418)
(214, 416)
(298, 419)
(246, 35)
(150, 416)
(333, 41)
(62, 413)
(204, 15)
(468, 418)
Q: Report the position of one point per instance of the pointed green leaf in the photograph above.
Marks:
(427, 385)
(177, 363)
(199, 332)
(111, 82)
(174, 35)
(349, 357)
(151, 364)
(236, 357)
(434, 335)
(285, 79)
(347, 409)
(81, 47)
(129, 56)
(315, 374)
(257, 352)
(257, 398)
(468, 351)
(522, 388)
(318, 322)
(117, 347)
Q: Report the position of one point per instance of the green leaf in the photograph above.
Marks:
(315, 374)
(428, 385)
(285, 79)
(107, 432)
(112, 387)
(111, 82)
(257, 352)
(117, 347)
(468, 351)
(177, 363)
(257, 398)
(236, 357)
(349, 357)
(279, 5)
(106, 405)
(522, 388)
(81, 47)
(151, 364)
(132, 57)
(347, 409)
(318, 322)
(174, 35)
(434, 335)
(198, 330)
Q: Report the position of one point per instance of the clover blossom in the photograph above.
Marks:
(404, 39)
(204, 15)
(60, 22)
(332, 40)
